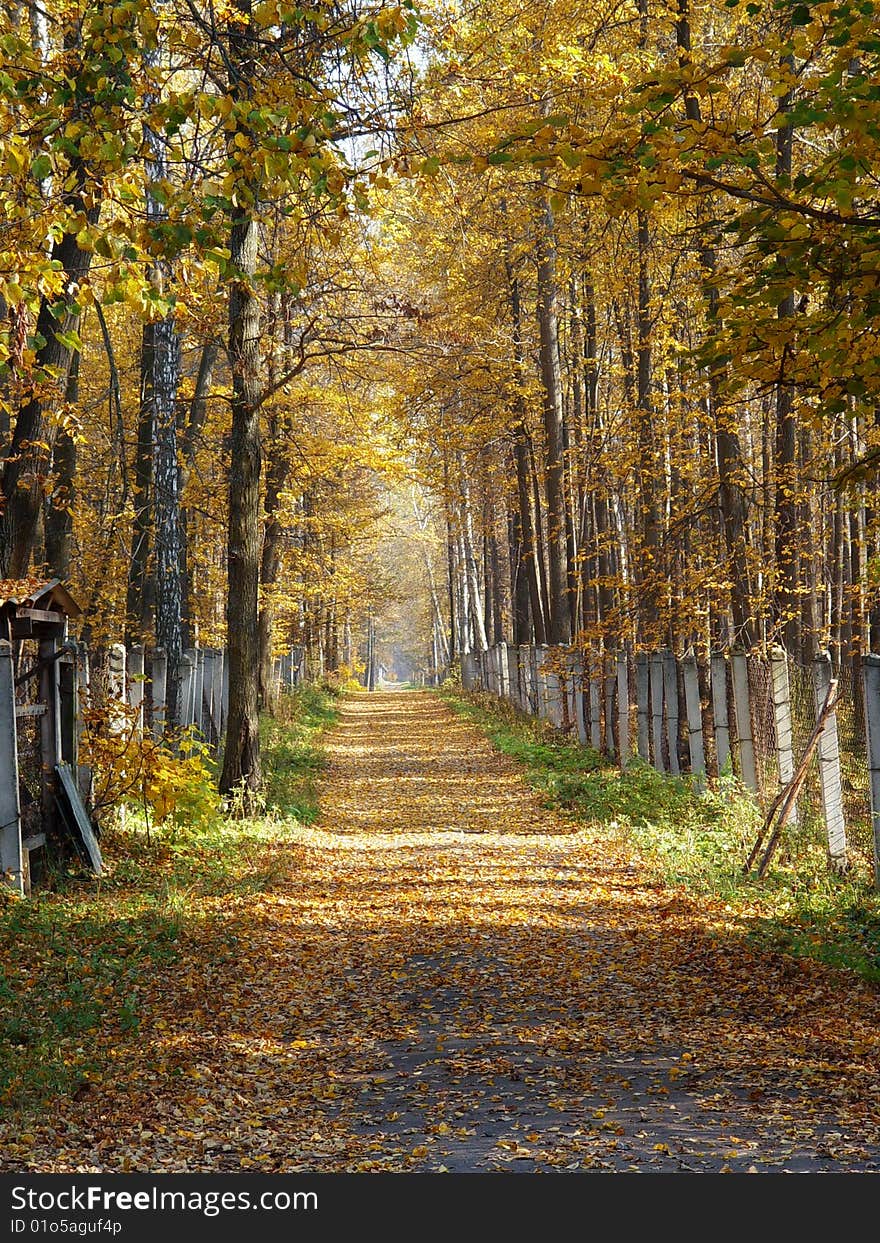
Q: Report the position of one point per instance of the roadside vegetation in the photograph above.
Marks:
(697, 840)
(76, 957)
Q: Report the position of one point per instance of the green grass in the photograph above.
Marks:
(699, 840)
(77, 956)
(292, 755)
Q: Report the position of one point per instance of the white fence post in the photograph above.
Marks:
(224, 713)
(718, 679)
(829, 768)
(694, 711)
(622, 709)
(135, 685)
(610, 680)
(514, 676)
(187, 687)
(595, 707)
(501, 665)
(642, 701)
(657, 709)
(575, 664)
(208, 694)
(540, 682)
(871, 677)
(117, 685)
(217, 694)
(158, 690)
(781, 692)
(200, 690)
(670, 694)
(745, 743)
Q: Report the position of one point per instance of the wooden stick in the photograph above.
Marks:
(786, 798)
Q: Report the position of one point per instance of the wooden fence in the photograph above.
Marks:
(750, 714)
(42, 723)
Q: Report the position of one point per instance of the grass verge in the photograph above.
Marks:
(76, 957)
(698, 840)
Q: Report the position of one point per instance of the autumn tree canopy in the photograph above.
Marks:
(546, 323)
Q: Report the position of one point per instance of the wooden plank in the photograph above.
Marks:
(41, 615)
(694, 712)
(76, 819)
(69, 712)
(50, 727)
(623, 708)
(718, 677)
(25, 710)
(745, 742)
(11, 862)
(643, 699)
(670, 694)
(656, 678)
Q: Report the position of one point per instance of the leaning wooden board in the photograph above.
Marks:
(76, 819)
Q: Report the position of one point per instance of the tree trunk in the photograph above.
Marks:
(164, 359)
(30, 452)
(529, 567)
(787, 605)
(138, 596)
(198, 410)
(241, 759)
(559, 628)
(59, 513)
(166, 493)
(731, 469)
(648, 467)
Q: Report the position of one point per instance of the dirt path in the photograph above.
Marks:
(446, 975)
(543, 1006)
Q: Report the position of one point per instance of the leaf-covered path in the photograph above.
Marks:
(444, 974)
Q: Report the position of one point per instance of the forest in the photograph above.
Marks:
(361, 344)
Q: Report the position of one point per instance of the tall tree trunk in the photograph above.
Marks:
(28, 462)
(164, 360)
(729, 459)
(59, 513)
(198, 410)
(648, 466)
(529, 558)
(273, 532)
(787, 605)
(471, 571)
(166, 493)
(518, 577)
(241, 758)
(139, 594)
(559, 627)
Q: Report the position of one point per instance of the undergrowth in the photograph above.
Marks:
(77, 956)
(698, 839)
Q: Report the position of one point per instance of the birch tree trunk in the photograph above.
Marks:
(158, 501)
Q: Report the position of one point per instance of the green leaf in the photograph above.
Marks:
(70, 340)
(41, 168)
